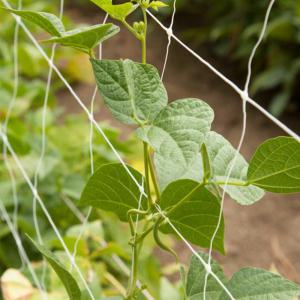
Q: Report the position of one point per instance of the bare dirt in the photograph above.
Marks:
(265, 234)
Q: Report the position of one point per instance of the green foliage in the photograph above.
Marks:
(85, 39)
(133, 92)
(248, 283)
(176, 135)
(111, 188)
(49, 22)
(194, 211)
(275, 166)
(65, 276)
(196, 279)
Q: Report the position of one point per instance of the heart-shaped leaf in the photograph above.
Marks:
(196, 279)
(65, 276)
(258, 284)
(132, 91)
(176, 137)
(222, 156)
(49, 22)
(116, 11)
(194, 211)
(275, 166)
(111, 188)
(87, 38)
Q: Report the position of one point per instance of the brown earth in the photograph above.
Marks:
(261, 235)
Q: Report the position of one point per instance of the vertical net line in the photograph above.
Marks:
(5, 126)
(243, 133)
(44, 209)
(206, 266)
(91, 150)
(43, 149)
(229, 82)
(23, 253)
(169, 32)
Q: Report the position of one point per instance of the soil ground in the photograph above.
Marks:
(266, 234)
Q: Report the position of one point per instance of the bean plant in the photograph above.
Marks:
(187, 166)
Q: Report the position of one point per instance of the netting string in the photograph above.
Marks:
(5, 126)
(169, 33)
(21, 249)
(228, 81)
(242, 137)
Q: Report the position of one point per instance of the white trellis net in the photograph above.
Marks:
(7, 148)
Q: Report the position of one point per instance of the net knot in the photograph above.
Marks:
(208, 269)
(169, 32)
(244, 95)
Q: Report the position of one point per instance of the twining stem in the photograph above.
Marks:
(229, 183)
(146, 167)
(144, 39)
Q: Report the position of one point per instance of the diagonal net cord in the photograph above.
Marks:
(5, 125)
(242, 138)
(189, 246)
(169, 32)
(45, 211)
(228, 81)
(23, 253)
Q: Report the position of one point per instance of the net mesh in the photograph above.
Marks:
(7, 148)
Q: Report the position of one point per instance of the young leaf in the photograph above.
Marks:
(157, 4)
(275, 166)
(116, 11)
(46, 21)
(132, 91)
(258, 284)
(196, 279)
(194, 211)
(87, 38)
(176, 136)
(222, 156)
(111, 188)
(65, 276)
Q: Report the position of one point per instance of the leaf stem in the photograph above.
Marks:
(229, 183)
(144, 39)
(146, 168)
(154, 180)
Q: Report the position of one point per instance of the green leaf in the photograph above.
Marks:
(176, 137)
(222, 156)
(131, 90)
(65, 276)
(196, 279)
(258, 284)
(194, 211)
(86, 38)
(275, 166)
(157, 4)
(116, 11)
(46, 21)
(112, 189)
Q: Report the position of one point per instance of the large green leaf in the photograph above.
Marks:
(65, 276)
(196, 279)
(116, 11)
(48, 22)
(194, 211)
(86, 38)
(176, 137)
(222, 156)
(111, 188)
(258, 284)
(130, 90)
(275, 166)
